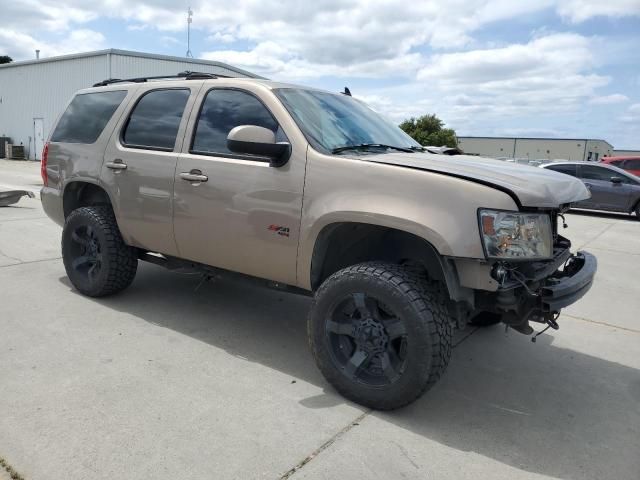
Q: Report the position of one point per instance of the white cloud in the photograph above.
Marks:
(168, 40)
(609, 99)
(343, 37)
(542, 57)
(22, 46)
(581, 10)
(547, 76)
(220, 37)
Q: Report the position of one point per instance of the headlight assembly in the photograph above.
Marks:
(516, 235)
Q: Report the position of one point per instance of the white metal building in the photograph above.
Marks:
(626, 153)
(33, 93)
(537, 148)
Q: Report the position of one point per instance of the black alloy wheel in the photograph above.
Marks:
(96, 259)
(368, 341)
(86, 253)
(381, 333)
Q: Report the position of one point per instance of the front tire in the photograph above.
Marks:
(96, 259)
(380, 334)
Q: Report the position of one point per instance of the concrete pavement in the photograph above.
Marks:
(163, 381)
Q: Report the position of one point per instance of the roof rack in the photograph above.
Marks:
(187, 75)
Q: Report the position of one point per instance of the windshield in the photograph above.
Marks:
(332, 121)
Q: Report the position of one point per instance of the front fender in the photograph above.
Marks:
(438, 208)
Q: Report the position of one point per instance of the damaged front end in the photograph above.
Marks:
(537, 291)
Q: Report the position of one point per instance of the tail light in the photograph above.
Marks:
(43, 164)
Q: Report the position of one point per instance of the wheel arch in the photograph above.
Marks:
(83, 193)
(342, 244)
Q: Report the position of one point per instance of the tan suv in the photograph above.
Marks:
(312, 191)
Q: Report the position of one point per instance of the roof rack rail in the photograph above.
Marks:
(187, 75)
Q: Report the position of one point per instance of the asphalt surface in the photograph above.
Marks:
(167, 381)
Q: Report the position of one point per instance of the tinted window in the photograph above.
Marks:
(224, 110)
(617, 163)
(155, 119)
(632, 164)
(591, 172)
(86, 116)
(567, 169)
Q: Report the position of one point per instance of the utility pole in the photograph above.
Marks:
(189, 20)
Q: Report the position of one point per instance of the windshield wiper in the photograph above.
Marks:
(417, 148)
(365, 146)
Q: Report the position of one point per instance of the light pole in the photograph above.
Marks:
(189, 20)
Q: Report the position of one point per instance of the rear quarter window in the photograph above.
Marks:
(566, 169)
(86, 116)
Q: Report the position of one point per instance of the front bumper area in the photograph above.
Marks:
(571, 284)
(536, 292)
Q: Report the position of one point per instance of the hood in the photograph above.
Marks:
(532, 186)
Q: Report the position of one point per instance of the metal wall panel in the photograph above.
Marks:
(123, 66)
(625, 153)
(43, 89)
(487, 147)
(536, 148)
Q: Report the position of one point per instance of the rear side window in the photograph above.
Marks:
(632, 164)
(154, 121)
(591, 172)
(566, 169)
(617, 163)
(223, 110)
(86, 116)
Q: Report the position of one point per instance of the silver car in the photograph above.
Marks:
(612, 189)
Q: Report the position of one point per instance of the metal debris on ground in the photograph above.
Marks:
(13, 196)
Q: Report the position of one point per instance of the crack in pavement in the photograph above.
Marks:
(604, 230)
(473, 330)
(10, 470)
(10, 257)
(324, 446)
(21, 219)
(289, 473)
(27, 262)
(604, 324)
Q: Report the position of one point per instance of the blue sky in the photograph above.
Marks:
(565, 68)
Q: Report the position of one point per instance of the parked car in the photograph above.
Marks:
(612, 189)
(313, 192)
(630, 164)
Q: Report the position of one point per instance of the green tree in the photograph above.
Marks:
(428, 130)
(5, 59)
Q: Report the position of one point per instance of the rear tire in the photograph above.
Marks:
(96, 259)
(380, 334)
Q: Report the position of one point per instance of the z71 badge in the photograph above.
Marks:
(280, 230)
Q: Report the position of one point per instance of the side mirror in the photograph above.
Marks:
(254, 140)
(616, 180)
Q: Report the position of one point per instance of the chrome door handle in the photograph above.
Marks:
(194, 176)
(117, 164)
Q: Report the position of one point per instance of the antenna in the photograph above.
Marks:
(189, 20)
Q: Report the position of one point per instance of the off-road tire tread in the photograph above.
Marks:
(429, 298)
(120, 260)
